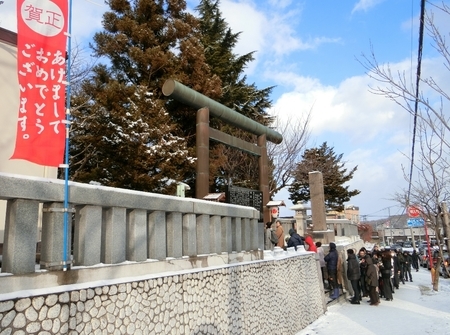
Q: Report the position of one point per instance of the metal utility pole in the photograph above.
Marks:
(446, 224)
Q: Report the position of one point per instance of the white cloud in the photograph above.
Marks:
(280, 3)
(8, 18)
(245, 18)
(365, 5)
(271, 32)
(372, 132)
(87, 18)
(348, 109)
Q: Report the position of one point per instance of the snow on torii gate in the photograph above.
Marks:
(205, 105)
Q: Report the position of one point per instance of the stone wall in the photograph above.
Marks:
(281, 295)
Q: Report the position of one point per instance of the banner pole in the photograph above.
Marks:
(66, 154)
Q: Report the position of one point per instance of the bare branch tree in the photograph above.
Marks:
(396, 86)
(431, 178)
(287, 154)
(431, 185)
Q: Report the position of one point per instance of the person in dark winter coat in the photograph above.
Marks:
(407, 266)
(372, 281)
(386, 273)
(401, 265)
(363, 269)
(353, 275)
(332, 261)
(396, 269)
(295, 240)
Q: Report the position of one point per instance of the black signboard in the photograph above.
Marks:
(244, 197)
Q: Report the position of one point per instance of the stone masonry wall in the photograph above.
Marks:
(278, 296)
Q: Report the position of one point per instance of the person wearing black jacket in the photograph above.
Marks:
(363, 269)
(295, 240)
(353, 274)
(386, 272)
(396, 268)
(407, 266)
(332, 262)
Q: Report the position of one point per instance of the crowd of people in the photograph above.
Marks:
(374, 274)
(276, 238)
(377, 274)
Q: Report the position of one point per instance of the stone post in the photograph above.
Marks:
(114, 242)
(174, 221)
(226, 235)
(137, 235)
(88, 236)
(215, 234)
(203, 235)
(52, 244)
(236, 233)
(157, 235)
(189, 235)
(245, 230)
(19, 250)
(320, 230)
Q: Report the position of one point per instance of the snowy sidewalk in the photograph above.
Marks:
(416, 309)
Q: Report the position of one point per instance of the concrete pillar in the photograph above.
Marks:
(114, 242)
(318, 210)
(261, 230)
(203, 235)
(174, 229)
(226, 235)
(52, 242)
(189, 235)
(19, 248)
(254, 234)
(215, 234)
(246, 231)
(137, 235)
(87, 236)
(157, 235)
(236, 233)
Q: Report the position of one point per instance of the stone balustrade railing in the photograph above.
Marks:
(112, 226)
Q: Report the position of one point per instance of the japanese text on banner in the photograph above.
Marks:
(41, 62)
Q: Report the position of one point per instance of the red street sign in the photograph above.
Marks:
(413, 211)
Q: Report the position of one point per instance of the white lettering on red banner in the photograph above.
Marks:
(41, 61)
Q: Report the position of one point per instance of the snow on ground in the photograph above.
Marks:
(416, 309)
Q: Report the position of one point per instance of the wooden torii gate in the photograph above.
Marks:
(204, 133)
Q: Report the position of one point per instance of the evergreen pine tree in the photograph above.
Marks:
(335, 175)
(123, 134)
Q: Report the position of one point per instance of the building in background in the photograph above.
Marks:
(350, 212)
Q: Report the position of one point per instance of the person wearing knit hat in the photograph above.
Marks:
(332, 261)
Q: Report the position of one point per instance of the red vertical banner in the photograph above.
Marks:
(41, 66)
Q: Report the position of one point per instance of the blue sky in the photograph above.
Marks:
(309, 50)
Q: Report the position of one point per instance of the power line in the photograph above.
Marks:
(416, 103)
(95, 3)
